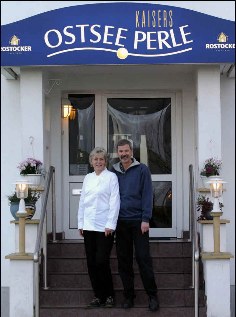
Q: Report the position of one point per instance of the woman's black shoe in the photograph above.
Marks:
(153, 303)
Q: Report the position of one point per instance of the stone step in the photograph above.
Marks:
(74, 280)
(70, 288)
(75, 249)
(164, 264)
(71, 297)
(118, 312)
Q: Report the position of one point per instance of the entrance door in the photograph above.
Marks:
(149, 122)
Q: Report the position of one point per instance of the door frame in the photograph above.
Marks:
(101, 140)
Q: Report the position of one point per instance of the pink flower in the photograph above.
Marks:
(30, 166)
(212, 166)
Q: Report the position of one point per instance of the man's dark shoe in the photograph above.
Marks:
(153, 303)
(109, 303)
(128, 303)
(95, 303)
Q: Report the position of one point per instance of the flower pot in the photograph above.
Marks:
(14, 207)
(208, 215)
(204, 181)
(30, 208)
(33, 179)
(214, 177)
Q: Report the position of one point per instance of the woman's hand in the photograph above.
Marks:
(81, 232)
(108, 232)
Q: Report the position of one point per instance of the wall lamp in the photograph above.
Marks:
(67, 109)
(216, 188)
(22, 193)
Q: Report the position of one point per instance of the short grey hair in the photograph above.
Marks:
(98, 150)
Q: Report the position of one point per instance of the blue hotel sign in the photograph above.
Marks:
(118, 33)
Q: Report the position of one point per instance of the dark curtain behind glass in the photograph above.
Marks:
(142, 120)
(81, 134)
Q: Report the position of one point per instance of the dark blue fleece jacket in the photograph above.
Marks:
(136, 191)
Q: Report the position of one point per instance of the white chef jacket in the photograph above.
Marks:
(99, 202)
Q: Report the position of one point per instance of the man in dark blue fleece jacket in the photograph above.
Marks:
(136, 195)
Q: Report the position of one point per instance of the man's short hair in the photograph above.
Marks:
(124, 142)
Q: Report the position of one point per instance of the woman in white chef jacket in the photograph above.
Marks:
(97, 217)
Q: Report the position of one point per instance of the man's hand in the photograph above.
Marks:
(81, 232)
(144, 227)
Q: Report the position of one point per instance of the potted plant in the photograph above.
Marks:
(32, 169)
(205, 206)
(212, 167)
(30, 203)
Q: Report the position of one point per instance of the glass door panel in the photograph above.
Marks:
(162, 205)
(147, 123)
(81, 133)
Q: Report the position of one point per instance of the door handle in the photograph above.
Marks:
(76, 192)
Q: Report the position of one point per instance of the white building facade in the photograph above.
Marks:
(162, 75)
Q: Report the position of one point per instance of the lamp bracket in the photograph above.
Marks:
(52, 83)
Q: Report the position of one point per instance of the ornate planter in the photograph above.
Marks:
(29, 207)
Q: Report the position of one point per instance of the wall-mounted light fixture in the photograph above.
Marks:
(66, 107)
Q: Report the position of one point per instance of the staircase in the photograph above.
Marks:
(70, 289)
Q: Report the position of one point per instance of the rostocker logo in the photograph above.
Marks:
(222, 44)
(222, 38)
(14, 40)
(15, 46)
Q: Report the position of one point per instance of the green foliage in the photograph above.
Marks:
(33, 196)
(204, 206)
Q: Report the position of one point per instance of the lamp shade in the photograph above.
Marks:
(66, 107)
(216, 186)
(22, 189)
